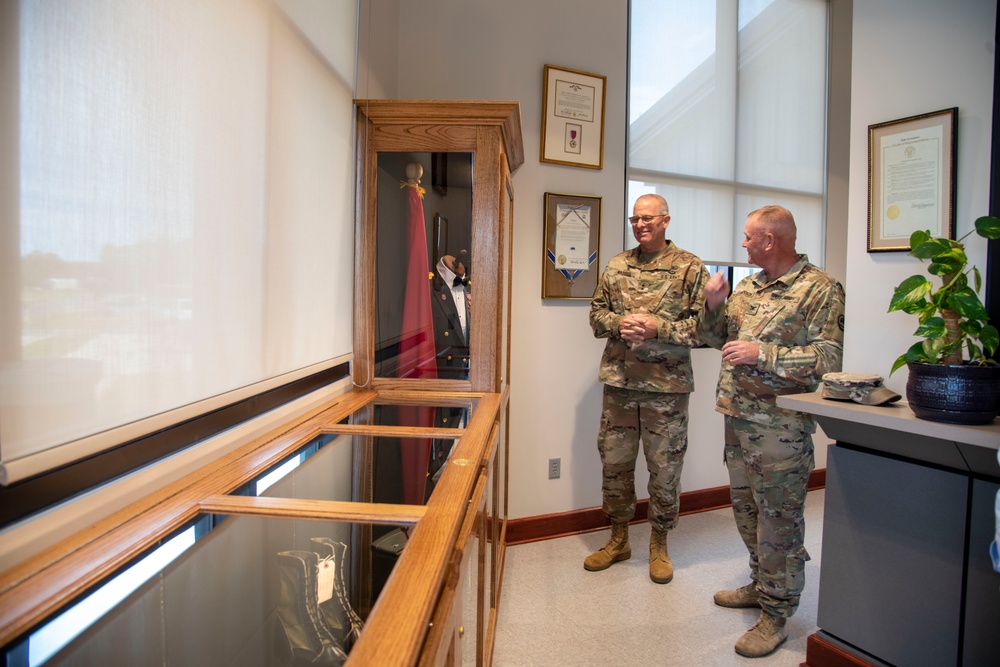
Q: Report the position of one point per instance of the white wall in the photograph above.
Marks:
(912, 57)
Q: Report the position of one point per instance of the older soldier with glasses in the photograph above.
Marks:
(646, 305)
(779, 332)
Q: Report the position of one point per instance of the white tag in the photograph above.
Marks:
(324, 579)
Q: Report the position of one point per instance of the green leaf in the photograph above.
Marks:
(910, 294)
(918, 237)
(932, 328)
(966, 303)
(931, 248)
(926, 312)
(979, 278)
(899, 363)
(990, 339)
(970, 327)
(915, 353)
(931, 349)
(945, 264)
(988, 227)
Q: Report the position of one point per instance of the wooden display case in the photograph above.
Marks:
(438, 603)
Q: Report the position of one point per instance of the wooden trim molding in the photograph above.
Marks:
(821, 653)
(318, 510)
(548, 526)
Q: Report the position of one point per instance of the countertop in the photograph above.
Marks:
(896, 416)
(894, 429)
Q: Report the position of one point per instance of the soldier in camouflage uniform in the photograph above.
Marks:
(646, 305)
(779, 332)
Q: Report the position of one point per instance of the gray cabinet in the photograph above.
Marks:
(893, 554)
(906, 578)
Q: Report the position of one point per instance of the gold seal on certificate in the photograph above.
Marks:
(892, 212)
(562, 260)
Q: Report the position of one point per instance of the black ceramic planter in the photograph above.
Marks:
(957, 394)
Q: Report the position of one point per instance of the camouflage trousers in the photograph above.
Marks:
(768, 475)
(660, 421)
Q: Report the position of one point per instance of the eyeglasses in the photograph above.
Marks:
(646, 219)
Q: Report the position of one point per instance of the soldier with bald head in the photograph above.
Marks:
(646, 304)
(779, 332)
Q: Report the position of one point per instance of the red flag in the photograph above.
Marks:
(416, 351)
(416, 345)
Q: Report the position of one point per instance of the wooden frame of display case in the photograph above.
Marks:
(396, 630)
(491, 131)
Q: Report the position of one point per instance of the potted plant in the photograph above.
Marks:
(943, 385)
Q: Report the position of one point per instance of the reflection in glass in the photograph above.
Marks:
(320, 470)
(423, 265)
(235, 590)
(406, 470)
(472, 576)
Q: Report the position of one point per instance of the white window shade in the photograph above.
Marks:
(186, 211)
(728, 114)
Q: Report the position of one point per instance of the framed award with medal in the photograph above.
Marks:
(573, 118)
(572, 241)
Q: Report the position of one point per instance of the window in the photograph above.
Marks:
(184, 217)
(727, 111)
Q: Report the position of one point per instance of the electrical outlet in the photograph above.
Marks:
(554, 465)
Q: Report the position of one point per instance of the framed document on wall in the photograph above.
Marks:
(911, 179)
(571, 245)
(573, 118)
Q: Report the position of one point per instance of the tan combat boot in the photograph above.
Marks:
(615, 550)
(661, 570)
(767, 634)
(744, 596)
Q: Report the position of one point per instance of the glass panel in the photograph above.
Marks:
(503, 447)
(442, 416)
(508, 275)
(406, 470)
(234, 590)
(471, 587)
(422, 247)
(489, 546)
(319, 471)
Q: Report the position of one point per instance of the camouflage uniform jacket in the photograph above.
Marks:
(669, 285)
(798, 321)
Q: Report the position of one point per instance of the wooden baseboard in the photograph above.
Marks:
(821, 653)
(548, 526)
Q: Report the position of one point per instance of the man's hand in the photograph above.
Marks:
(741, 352)
(716, 290)
(637, 327)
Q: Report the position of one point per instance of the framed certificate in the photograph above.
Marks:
(572, 241)
(911, 179)
(573, 118)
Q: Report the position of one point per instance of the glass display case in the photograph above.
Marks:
(369, 530)
(433, 182)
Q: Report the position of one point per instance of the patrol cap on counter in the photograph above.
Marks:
(862, 388)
